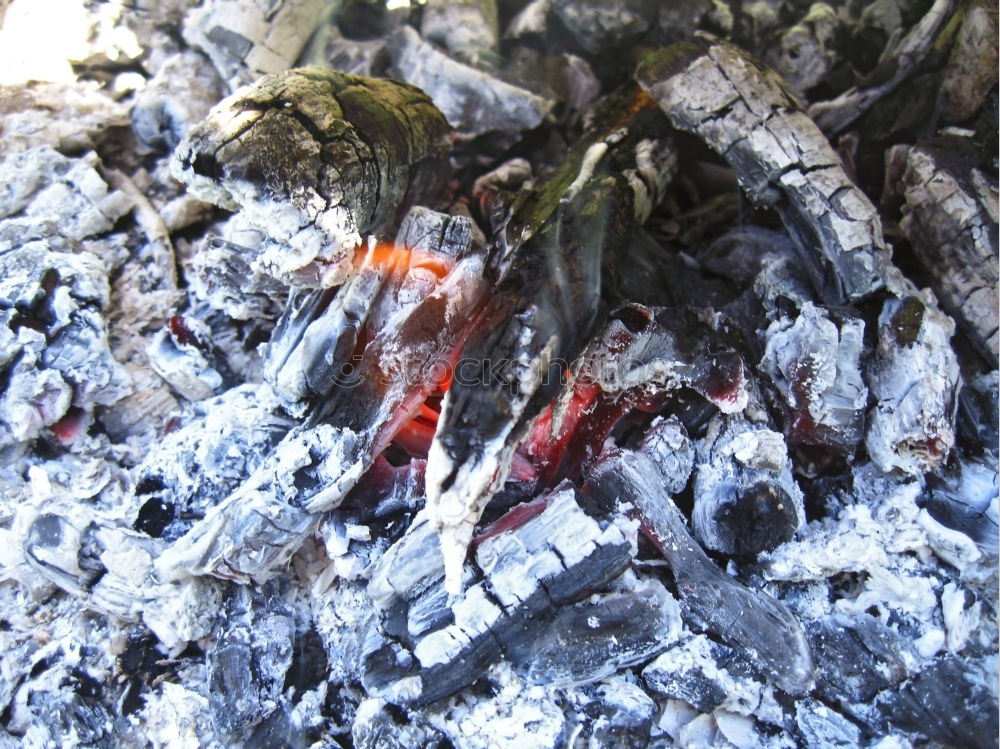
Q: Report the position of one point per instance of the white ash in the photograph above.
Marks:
(105, 465)
(914, 378)
(246, 40)
(473, 101)
(182, 365)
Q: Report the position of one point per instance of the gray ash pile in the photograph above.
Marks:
(535, 373)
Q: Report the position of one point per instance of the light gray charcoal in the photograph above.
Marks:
(782, 160)
(466, 29)
(54, 343)
(87, 115)
(182, 354)
(376, 727)
(620, 713)
(312, 349)
(806, 52)
(666, 441)
(609, 631)
(48, 194)
(914, 378)
(746, 499)
(531, 20)
(245, 40)
(964, 714)
(556, 558)
(473, 101)
(64, 700)
(223, 277)
(815, 364)
(256, 529)
(599, 27)
(431, 231)
(705, 674)
(107, 568)
(408, 568)
(180, 95)
(220, 442)
(950, 218)
(295, 151)
(899, 60)
(313, 343)
(818, 725)
(250, 657)
(751, 621)
(970, 74)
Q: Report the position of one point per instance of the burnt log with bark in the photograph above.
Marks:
(782, 160)
(949, 216)
(313, 158)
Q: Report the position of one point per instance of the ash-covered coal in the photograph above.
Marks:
(537, 373)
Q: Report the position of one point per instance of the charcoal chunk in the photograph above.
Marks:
(606, 632)
(856, 658)
(821, 726)
(599, 27)
(249, 661)
(963, 714)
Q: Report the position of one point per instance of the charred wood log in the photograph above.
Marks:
(544, 306)
(950, 218)
(744, 112)
(747, 619)
(313, 158)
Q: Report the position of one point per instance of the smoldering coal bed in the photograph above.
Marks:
(499, 373)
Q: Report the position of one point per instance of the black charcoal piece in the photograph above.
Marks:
(620, 714)
(250, 658)
(898, 62)
(599, 27)
(531, 607)
(703, 673)
(746, 500)
(963, 713)
(966, 499)
(594, 638)
(747, 619)
(856, 658)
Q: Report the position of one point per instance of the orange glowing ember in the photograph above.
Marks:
(398, 260)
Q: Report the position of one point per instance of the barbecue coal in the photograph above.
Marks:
(483, 373)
